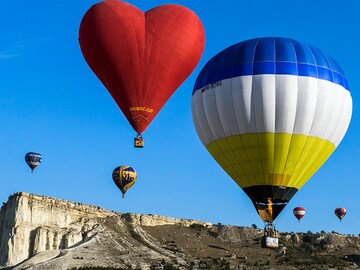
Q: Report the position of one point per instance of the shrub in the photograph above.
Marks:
(97, 268)
(197, 226)
(213, 234)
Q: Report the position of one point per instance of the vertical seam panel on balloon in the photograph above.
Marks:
(326, 151)
(207, 119)
(234, 59)
(347, 115)
(238, 129)
(197, 126)
(340, 128)
(226, 154)
(275, 81)
(137, 98)
(330, 130)
(252, 105)
(274, 137)
(275, 92)
(333, 78)
(296, 111)
(299, 165)
(147, 57)
(205, 114)
(200, 94)
(141, 56)
(317, 76)
(125, 43)
(321, 149)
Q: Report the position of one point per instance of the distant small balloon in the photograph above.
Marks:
(124, 177)
(299, 212)
(33, 160)
(340, 212)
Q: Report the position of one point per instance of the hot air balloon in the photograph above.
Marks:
(124, 177)
(33, 160)
(271, 111)
(141, 57)
(340, 213)
(299, 212)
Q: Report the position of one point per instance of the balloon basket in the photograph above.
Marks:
(270, 238)
(138, 142)
(269, 242)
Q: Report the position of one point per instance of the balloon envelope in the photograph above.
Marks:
(141, 57)
(33, 160)
(299, 212)
(124, 177)
(271, 111)
(340, 212)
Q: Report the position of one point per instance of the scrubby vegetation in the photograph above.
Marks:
(226, 248)
(98, 268)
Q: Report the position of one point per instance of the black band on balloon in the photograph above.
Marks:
(268, 200)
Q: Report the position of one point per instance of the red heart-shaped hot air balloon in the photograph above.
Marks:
(141, 57)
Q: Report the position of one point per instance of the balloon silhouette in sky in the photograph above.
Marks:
(33, 159)
(299, 212)
(271, 111)
(141, 57)
(340, 213)
(124, 177)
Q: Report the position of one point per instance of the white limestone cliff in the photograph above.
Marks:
(32, 224)
(157, 220)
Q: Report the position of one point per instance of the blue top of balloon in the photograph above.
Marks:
(30, 155)
(271, 55)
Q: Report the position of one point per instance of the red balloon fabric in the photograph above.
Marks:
(340, 212)
(141, 57)
(299, 212)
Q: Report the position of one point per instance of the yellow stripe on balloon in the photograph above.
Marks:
(127, 186)
(277, 159)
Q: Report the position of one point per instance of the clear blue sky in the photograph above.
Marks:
(51, 102)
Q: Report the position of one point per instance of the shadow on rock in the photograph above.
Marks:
(355, 258)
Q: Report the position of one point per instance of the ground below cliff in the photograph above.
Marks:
(118, 244)
(135, 241)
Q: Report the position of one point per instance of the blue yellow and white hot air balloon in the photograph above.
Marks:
(124, 177)
(33, 159)
(271, 111)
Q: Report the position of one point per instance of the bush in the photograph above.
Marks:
(97, 268)
(197, 226)
(213, 234)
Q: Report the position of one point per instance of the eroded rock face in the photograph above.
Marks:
(33, 224)
(42, 233)
(30, 224)
(157, 220)
(238, 234)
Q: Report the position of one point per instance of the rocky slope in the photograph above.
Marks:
(38, 232)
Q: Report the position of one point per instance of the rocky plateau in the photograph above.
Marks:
(39, 232)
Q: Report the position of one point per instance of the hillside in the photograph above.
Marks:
(38, 232)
